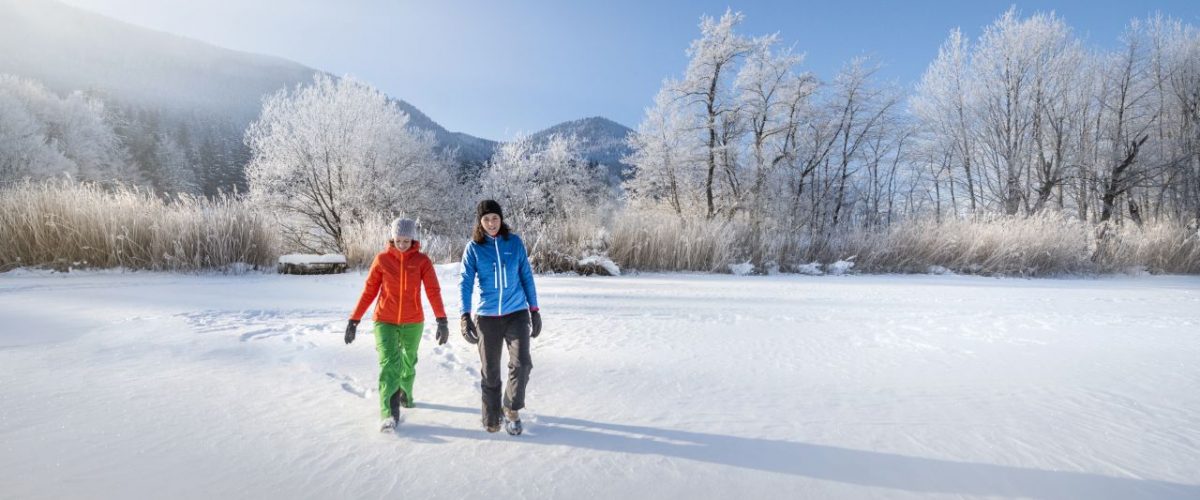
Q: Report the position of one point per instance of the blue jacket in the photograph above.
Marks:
(505, 279)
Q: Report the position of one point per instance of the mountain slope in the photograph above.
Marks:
(470, 150)
(70, 49)
(603, 140)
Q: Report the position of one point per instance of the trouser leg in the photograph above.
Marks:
(491, 341)
(516, 335)
(387, 344)
(409, 339)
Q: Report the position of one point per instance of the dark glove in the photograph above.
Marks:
(351, 329)
(468, 329)
(443, 331)
(535, 319)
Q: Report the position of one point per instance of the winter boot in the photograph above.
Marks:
(394, 404)
(491, 423)
(512, 422)
(389, 424)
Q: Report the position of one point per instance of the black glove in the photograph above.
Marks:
(443, 331)
(351, 329)
(468, 329)
(535, 319)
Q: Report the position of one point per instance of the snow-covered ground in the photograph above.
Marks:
(145, 385)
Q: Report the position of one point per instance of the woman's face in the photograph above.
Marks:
(402, 244)
(490, 223)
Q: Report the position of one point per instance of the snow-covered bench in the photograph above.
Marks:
(299, 263)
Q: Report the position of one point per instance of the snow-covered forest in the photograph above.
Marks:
(1024, 123)
(84, 137)
(1021, 121)
(1025, 151)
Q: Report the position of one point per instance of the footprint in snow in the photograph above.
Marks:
(447, 359)
(349, 384)
(355, 390)
(288, 326)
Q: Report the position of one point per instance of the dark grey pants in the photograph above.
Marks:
(495, 331)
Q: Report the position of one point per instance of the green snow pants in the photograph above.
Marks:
(397, 348)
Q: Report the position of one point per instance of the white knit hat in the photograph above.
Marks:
(404, 228)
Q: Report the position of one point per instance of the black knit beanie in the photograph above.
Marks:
(488, 207)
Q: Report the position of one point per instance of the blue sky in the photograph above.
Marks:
(493, 69)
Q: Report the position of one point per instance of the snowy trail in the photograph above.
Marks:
(652, 386)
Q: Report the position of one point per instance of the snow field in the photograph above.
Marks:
(650, 386)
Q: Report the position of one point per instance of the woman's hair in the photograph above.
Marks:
(479, 235)
(392, 243)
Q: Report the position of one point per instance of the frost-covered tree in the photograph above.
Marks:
(177, 172)
(746, 134)
(774, 102)
(1023, 120)
(1171, 180)
(706, 92)
(1062, 108)
(863, 112)
(1005, 116)
(43, 135)
(1021, 70)
(943, 107)
(1125, 119)
(713, 138)
(220, 155)
(336, 152)
(159, 156)
(543, 183)
(23, 148)
(664, 150)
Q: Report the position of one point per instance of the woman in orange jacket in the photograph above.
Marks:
(394, 283)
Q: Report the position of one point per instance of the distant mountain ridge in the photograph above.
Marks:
(69, 49)
(604, 141)
(470, 150)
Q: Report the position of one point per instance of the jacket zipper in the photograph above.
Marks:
(500, 271)
(403, 285)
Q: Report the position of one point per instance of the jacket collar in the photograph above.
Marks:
(414, 248)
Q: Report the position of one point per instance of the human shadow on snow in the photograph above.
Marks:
(831, 463)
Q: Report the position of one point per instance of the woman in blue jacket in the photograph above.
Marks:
(496, 260)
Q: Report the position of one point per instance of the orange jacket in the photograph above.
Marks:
(396, 278)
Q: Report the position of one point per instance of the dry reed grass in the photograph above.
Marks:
(65, 225)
